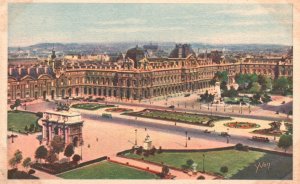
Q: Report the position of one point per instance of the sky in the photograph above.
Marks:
(29, 24)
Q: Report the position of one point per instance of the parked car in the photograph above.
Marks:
(260, 139)
(187, 95)
(106, 115)
(171, 106)
(224, 134)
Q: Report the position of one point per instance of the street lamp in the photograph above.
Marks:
(203, 170)
(12, 134)
(135, 143)
(81, 143)
(186, 133)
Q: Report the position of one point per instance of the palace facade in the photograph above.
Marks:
(133, 76)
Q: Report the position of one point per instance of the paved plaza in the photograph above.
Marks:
(106, 137)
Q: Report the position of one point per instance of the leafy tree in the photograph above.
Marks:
(12, 107)
(76, 158)
(241, 80)
(26, 163)
(18, 157)
(31, 128)
(51, 157)
(285, 141)
(223, 86)
(165, 170)
(57, 144)
(12, 162)
(69, 151)
(17, 103)
(265, 82)
(26, 128)
(255, 87)
(41, 153)
(189, 162)
(281, 84)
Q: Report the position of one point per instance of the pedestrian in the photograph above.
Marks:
(145, 129)
(97, 139)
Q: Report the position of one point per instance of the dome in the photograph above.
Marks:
(181, 51)
(136, 54)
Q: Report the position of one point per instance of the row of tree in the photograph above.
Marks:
(56, 147)
(17, 159)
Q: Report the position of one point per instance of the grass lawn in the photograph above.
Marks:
(90, 106)
(241, 165)
(176, 116)
(107, 170)
(19, 120)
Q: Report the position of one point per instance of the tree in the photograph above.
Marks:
(18, 157)
(69, 151)
(241, 80)
(41, 153)
(281, 84)
(57, 144)
(17, 103)
(189, 162)
(76, 158)
(165, 170)
(265, 82)
(255, 87)
(285, 141)
(51, 157)
(31, 128)
(12, 107)
(26, 163)
(26, 128)
(12, 162)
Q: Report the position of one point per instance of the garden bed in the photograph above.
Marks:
(241, 125)
(118, 110)
(189, 118)
(91, 106)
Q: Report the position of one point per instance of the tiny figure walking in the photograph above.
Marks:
(97, 139)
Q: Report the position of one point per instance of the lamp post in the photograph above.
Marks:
(203, 170)
(81, 143)
(186, 133)
(12, 134)
(135, 143)
(249, 109)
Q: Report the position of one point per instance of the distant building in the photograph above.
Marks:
(137, 76)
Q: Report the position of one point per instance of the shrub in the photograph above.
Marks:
(201, 177)
(31, 171)
(139, 151)
(239, 146)
(76, 158)
(224, 169)
(39, 114)
(146, 153)
(159, 150)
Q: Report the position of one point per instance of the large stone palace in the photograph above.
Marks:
(134, 75)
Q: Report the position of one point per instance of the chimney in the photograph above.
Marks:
(180, 51)
(37, 70)
(45, 69)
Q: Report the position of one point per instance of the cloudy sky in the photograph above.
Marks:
(206, 23)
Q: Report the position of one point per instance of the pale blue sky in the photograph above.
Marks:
(206, 23)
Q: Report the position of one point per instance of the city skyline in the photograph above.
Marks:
(206, 23)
